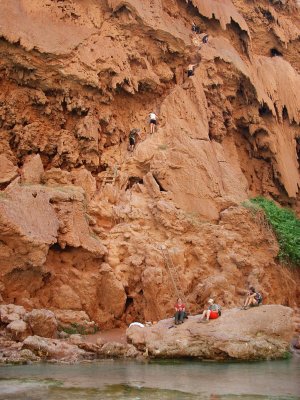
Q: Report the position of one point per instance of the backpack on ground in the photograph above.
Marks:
(258, 298)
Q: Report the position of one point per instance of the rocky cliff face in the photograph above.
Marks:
(75, 77)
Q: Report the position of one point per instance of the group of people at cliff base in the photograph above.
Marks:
(214, 311)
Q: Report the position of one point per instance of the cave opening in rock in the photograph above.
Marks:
(161, 188)
(132, 180)
(264, 110)
(56, 247)
(285, 114)
(275, 53)
(128, 303)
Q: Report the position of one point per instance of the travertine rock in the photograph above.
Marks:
(53, 349)
(8, 171)
(18, 330)
(32, 170)
(259, 333)
(42, 323)
(11, 312)
(79, 240)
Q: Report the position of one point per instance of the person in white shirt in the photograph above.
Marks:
(153, 121)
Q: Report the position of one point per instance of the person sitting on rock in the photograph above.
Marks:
(132, 138)
(253, 299)
(179, 312)
(153, 121)
(213, 311)
(190, 69)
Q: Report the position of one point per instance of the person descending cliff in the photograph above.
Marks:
(196, 28)
(190, 69)
(213, 311)
(204, 39)
(132, 138)
(253, 299)
(153, 121)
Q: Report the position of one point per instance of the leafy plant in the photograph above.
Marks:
(285, 225)
(75, 328)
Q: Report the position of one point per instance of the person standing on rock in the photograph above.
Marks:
(190, 69)
(132, 138)
(153, 121)
(213, 311)
(179, 312)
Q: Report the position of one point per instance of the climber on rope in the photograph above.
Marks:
(213, 311)
(153, 121)
(179, 312)
(253, 299)
(132, 138)
(196, 28)
(190, 69)
(204, 39)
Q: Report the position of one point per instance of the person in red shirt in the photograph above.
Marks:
(179, 312)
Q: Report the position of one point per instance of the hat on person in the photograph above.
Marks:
(210, 301)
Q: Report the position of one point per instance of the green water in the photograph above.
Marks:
(184, 380)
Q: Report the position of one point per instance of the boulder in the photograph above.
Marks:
(32, 170)
(42, 323)
(82, 177)
(28, 226)
(258, 333)
(76, 320)
(18, 330)
(11, 312)
(53, 349)
(118, 350)
(28, 355)
(8, 171)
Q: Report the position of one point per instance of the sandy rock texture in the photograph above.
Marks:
(258, 333)
(90, 250)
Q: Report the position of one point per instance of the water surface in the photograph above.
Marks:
(165, 380)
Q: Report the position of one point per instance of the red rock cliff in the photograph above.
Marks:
(75, 77)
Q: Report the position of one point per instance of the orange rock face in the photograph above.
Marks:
(82, 219)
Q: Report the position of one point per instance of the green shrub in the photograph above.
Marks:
(286, 227)
(75, 328)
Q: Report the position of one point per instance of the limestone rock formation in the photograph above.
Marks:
(53, 349)
(42, 323)
(8, 171)
(259, 333)
(10, 313)
(82, 219)
(18, 330)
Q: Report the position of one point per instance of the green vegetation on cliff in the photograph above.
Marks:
(286, 226)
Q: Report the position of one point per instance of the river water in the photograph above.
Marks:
(164, 380)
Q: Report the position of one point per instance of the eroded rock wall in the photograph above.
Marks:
(70, 95)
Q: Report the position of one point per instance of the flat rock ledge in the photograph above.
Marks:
(258, 333)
